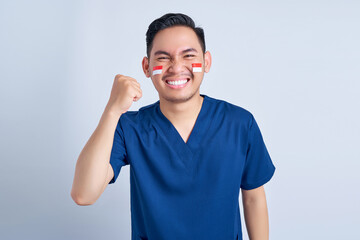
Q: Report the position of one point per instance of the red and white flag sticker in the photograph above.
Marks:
(197, 67)
(157, 70)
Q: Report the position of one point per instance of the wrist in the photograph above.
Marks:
(112, 112)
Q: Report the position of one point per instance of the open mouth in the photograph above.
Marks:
(177, 83)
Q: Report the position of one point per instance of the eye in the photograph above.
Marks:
(162, 58)
(189, 55)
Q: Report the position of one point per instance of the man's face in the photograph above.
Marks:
(176, 49)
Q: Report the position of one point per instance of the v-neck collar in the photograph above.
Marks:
(186, 151)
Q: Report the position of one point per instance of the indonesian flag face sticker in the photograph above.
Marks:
(157, 70)
(197, 67)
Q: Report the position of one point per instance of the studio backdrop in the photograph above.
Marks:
(293, 64)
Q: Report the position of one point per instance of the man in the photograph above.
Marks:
(189, 153)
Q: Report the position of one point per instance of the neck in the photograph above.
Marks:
(181, 112)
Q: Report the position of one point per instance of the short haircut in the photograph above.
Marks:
(170, 20)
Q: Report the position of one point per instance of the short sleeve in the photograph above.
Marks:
(259, 167)
(118, 152)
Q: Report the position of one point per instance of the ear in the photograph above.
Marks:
(145, 66)
(207, 58)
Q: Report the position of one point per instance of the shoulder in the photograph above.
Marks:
(231, 111)
(137, 117)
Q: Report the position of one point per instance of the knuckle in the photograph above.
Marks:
(127, 83)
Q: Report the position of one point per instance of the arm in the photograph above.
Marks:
(93, 171)
(255, 213)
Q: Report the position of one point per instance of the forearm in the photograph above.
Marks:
(256, 219)
(93, 162)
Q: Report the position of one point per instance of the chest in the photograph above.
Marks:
(184, 130)
(209, 159)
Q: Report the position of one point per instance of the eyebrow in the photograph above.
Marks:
(168, 54)
(189, 50)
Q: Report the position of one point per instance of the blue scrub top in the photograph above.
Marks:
(190, 190)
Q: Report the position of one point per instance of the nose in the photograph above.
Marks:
(177, 66)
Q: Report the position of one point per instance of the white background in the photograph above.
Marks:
(293, 64)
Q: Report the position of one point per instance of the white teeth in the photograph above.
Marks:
(176, 82)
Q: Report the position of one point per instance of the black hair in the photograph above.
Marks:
(170, 20)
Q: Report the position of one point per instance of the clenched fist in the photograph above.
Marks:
(124, 91)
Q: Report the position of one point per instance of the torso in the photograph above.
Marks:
(185, 128)
(185, 131)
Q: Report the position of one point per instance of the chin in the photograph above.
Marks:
(178, 99)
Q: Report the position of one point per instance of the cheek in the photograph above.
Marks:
(198, 76)
(157, 80)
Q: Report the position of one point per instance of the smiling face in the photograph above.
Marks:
(176, 49)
